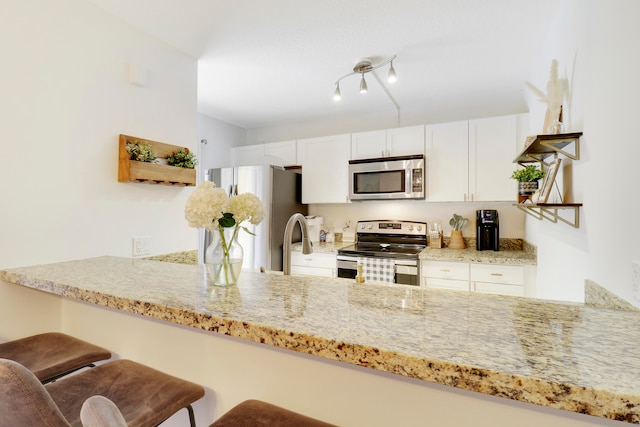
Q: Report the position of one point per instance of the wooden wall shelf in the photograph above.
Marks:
(152, 173)
(543, 146)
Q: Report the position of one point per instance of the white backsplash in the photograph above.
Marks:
(512, 220)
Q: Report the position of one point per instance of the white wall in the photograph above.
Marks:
(220, 136)
(65, 99)
(594, 42)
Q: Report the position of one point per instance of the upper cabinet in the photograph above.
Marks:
(325, 168)
(388, 143)
(247, 155)
(471, 160)
(282, 153)
(492, 145)
(447, 156)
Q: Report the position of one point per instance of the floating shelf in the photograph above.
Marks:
(152, 173)
(543, 146)
(551, 212)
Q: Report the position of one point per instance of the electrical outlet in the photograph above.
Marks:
(141, 246)
(635, 279)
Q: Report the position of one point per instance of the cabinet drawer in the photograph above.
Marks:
(313, 271)
(456, 285)
(497, 288)
(491, 273)
(445, 270)
(315, 259)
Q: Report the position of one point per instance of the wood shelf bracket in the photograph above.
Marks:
(551, 212)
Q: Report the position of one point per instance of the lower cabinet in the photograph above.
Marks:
(498, 279)
(314, 264)
(445, 275)
(516, 280)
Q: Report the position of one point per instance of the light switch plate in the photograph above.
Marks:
(635, 279)
(141, 246)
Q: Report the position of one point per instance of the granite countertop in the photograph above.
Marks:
(512, 251)
(564, 356)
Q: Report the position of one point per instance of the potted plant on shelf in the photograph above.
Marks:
(182, 158)
(456, 241)
(527, 179)
(141, 152)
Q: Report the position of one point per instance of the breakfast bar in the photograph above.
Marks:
(564, 356)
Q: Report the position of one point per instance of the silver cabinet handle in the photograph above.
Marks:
(496, 274)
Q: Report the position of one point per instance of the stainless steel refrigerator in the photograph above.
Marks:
(280, 191)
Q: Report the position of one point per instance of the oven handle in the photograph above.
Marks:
(396, 261)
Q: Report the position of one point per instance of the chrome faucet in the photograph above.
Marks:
(307, 247)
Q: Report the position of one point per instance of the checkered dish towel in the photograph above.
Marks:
(378, 269)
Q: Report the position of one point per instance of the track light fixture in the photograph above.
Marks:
(362, 68)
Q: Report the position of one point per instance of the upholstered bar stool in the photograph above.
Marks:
(144, 396)
(256, 413)
(52, 355)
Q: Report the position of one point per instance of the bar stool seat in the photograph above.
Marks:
(144, 396)
(52, 355)
(256, 413)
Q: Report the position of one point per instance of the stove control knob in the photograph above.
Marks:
(411, 228)
(369, 226)
(419, 228)
(362, 226)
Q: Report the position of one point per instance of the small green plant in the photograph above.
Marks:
(182, 158)
(457, 222)
(141, 152)
(529, 174)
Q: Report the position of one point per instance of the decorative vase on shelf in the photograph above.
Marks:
(456, 241)
(223, 257)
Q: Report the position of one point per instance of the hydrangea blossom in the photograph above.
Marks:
(246, 206)
(205, 206)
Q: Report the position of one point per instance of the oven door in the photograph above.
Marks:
(406, 270)
(387, 178)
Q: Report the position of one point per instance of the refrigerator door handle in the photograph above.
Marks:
(235, 190)
(230, 190)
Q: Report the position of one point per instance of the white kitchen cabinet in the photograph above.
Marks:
(325, 168)
(394, 142)
(473, 160)
(492, 148)
(447, 157)
(445, 275)
(479, 277)
(247, 155)
(498, 279)
(314, 264)
(283, 153)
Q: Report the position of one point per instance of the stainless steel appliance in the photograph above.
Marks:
(487, 230)
(398, 242)
(280, 191)
(387, 178)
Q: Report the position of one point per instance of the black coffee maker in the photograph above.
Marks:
(487, 230)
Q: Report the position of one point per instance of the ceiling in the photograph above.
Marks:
(275, 62)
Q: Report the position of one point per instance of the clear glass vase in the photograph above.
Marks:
(223, 257)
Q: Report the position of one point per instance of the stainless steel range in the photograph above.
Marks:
(388, 250)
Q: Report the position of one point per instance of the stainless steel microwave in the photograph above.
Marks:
(387, 178)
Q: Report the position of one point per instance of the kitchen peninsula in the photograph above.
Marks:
(564, 356)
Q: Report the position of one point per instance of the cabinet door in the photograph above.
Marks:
(405, 141)
(247, 155)
(492, 148)
(314, 264)
(447, 151)
(284, 153)
(325, 169)
(368, 145)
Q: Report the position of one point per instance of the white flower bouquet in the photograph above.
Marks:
(209, 207)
